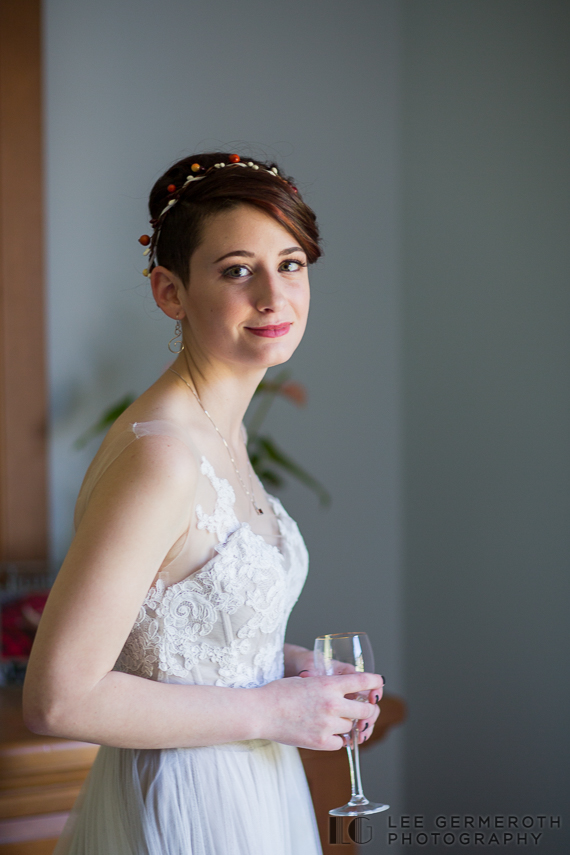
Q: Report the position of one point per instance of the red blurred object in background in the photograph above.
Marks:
(295, 392)
(20, 619)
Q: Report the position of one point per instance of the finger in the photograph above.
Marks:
(365, 730)
(375, 695)
(371, 720)
(346, 740)
(357, 710)
(344, 668)
(333, 743)
(359, 682)
(308, 672)
(336, 667)
(365, 734)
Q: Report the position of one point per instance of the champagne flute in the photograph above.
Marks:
(343, 653)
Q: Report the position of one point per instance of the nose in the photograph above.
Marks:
(269, 294)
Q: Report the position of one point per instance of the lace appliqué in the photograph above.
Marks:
(138, 656)
(223, 521)
(225, 624)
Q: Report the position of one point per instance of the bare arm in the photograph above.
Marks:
(137, 511)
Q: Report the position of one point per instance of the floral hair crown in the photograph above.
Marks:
(197, 173)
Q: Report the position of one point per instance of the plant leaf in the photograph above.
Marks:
(272, 386)
(109, 416)
(268, 389)
(271, 478)
(269, 449)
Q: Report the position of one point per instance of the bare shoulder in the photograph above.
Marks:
(138, 509)
(154, 466)
(155, 435)
(149, 461)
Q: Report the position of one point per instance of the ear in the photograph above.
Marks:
(166, 287)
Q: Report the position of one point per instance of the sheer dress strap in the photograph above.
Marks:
(157, 427)
(97, 469)
(163, 427)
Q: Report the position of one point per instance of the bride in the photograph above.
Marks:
(163, 637)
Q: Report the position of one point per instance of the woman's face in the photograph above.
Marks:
(247, 299)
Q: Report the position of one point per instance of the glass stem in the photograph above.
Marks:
(359, 793)
(352, 777)
(356, 794)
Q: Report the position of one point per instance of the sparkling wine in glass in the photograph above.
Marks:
(344, 653)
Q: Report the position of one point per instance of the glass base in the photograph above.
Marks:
(358, 808)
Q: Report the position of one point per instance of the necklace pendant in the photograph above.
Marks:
(249, 495)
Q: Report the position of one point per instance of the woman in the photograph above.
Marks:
(162, 639)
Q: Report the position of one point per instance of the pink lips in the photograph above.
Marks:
(272, 331)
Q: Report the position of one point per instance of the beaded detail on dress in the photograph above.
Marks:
(224, 624)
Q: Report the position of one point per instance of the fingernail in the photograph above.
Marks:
(377, 699)
(365, 726)
(383, 679)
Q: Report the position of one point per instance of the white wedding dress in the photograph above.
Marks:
(223, 625)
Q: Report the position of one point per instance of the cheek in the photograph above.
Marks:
(301, 309)
(219, 324)
(302, 303)
(217, 310)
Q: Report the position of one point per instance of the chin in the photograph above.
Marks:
(278, 355)
(271, 352)
(269, 361)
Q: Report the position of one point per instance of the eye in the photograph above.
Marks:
(237, 271)
(292, 265)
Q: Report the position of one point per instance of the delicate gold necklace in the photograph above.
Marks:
(249, 495)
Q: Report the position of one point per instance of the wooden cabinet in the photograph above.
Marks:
(40, 778)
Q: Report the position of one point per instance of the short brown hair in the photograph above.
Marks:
(181, 229)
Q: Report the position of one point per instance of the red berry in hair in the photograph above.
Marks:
(144, 240)
(195, 167)
(171, 188)
(234, 158)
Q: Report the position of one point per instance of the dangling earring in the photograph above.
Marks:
(177, 340)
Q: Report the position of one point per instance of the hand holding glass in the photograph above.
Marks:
(337, 654)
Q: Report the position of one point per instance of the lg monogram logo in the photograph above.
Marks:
(356, 830)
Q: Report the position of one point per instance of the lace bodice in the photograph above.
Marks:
(224, 624)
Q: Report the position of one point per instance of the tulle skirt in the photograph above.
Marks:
(245, 798)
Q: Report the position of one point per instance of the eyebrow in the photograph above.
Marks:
(245, 254)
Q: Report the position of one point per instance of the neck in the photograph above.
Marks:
(224, 393)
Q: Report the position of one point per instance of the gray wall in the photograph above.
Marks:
(133, 85)
(486, 308)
